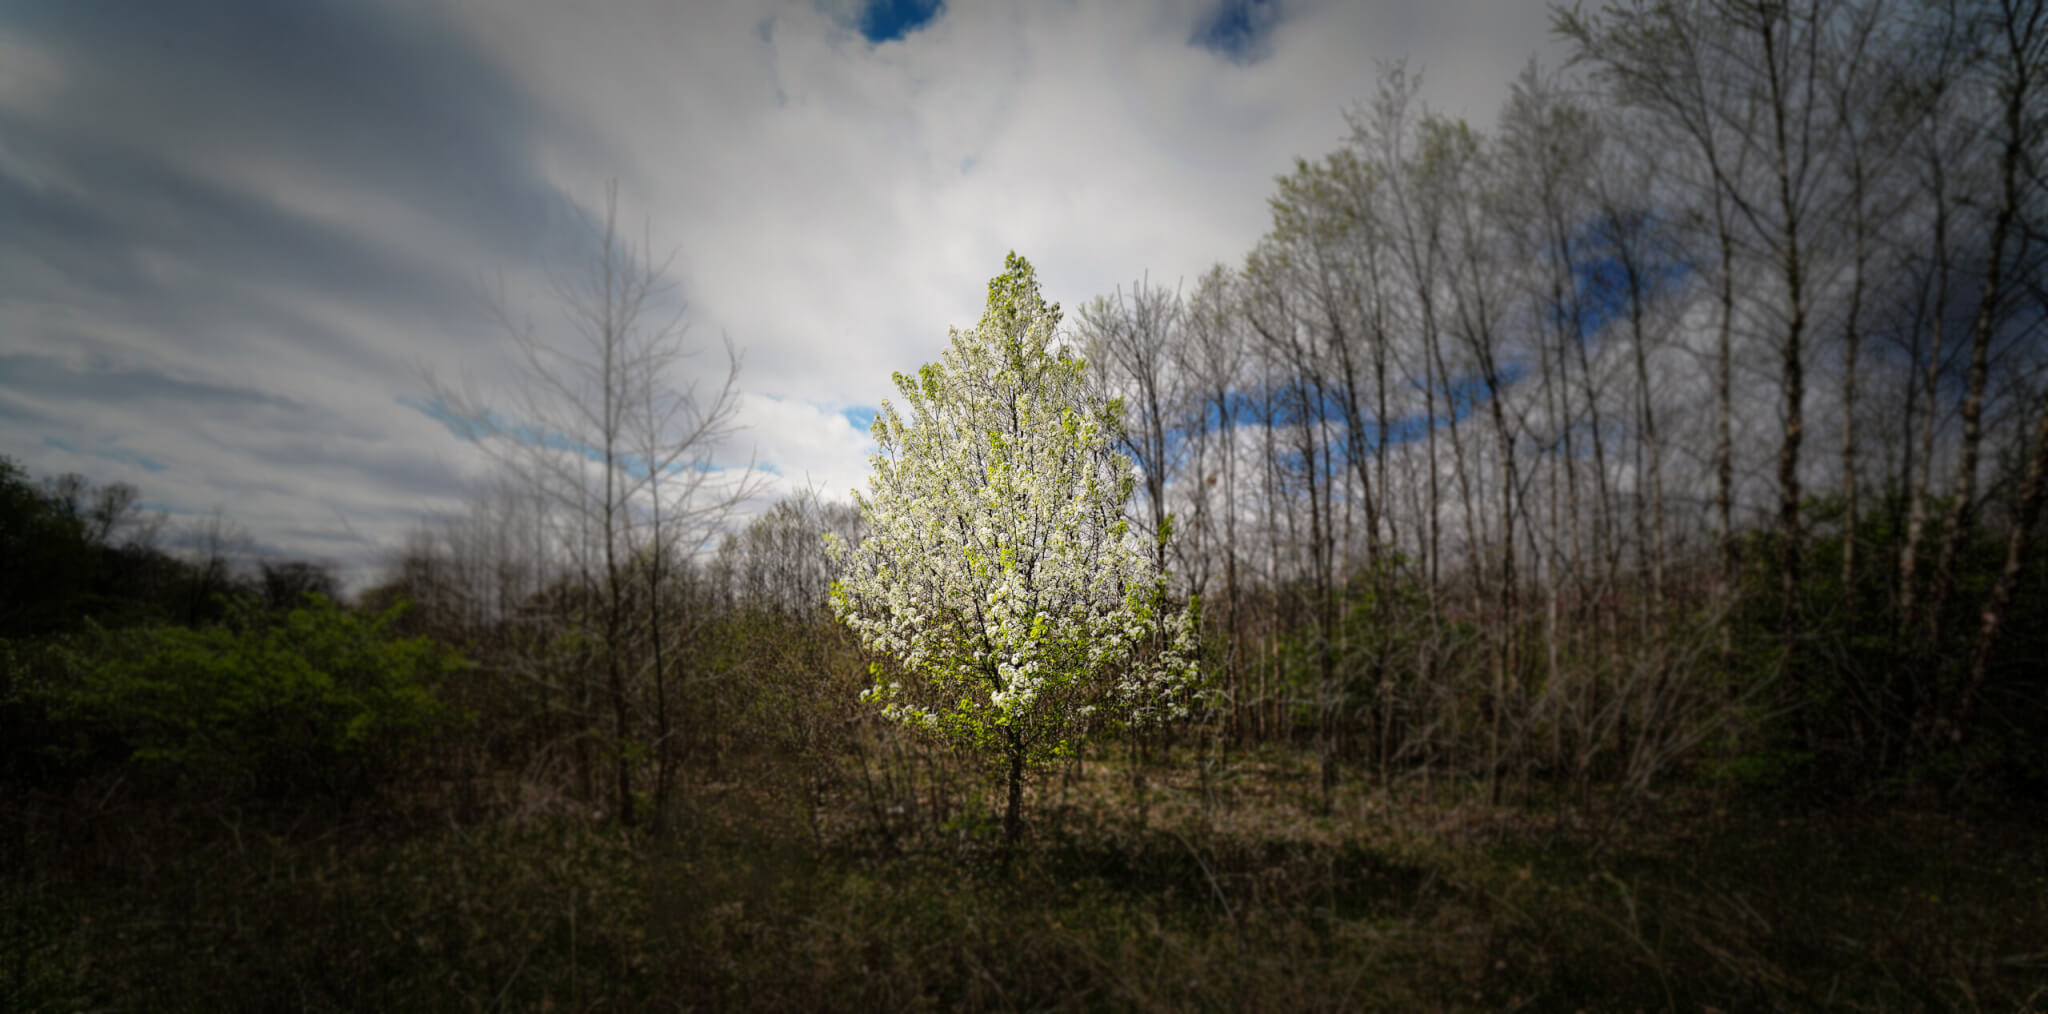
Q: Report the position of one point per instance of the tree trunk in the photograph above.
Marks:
(1852, 341)
(1993, 617)
(1955, 526)
(1916, 510)
(1792, 353)
(1013, 815)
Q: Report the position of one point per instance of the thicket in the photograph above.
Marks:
(268, 692)
(1689, 422)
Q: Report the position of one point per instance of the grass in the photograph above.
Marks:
(1232, 894)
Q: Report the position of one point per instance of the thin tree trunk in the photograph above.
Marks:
(1792, 353)
(1013, 814)
(1852, 341)
(1955, 526)
(1724, 431)
(1992, 620)
(1916, 511)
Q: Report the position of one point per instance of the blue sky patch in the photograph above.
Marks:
(1600, 275)
(477, 428)
(861, 416)
(889, 20)
(1289, 405)
(1238, 30)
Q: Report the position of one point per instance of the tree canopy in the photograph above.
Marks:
(999, 571)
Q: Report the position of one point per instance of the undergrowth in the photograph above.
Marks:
(1231, 894)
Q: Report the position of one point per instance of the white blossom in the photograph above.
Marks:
(999, 572)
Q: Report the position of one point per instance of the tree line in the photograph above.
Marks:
(1690, 423)
(1692, 415)
(1687, 423)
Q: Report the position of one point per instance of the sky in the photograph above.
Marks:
(241, 239)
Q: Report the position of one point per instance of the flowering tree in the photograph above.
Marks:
(999, 571)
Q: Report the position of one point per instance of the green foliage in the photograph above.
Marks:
(1861, 693)
(1764, 767)
(318, 699)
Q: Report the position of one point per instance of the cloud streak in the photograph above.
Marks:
(234, 234)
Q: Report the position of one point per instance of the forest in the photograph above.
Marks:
(1587, 562)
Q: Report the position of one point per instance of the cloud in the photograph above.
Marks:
(817, 197)
(49, 377)
(109, 452)
(234, 234)
(807, 445)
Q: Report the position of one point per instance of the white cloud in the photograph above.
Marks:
(804, 444)
(815, 183)
(835, 207)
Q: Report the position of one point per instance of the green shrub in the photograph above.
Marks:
(317, 699)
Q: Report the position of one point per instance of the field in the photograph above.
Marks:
(1209, 883)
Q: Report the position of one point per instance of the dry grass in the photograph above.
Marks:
(1231, 893)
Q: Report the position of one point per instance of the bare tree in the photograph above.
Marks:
(216, 547)
(1131, 342)
(1275, 310)
(1213, 358)
(1937, 145)
(623, 459)
(686, 500)
(2016, 41)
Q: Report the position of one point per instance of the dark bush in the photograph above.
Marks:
(315, 700)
